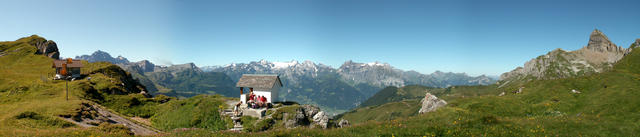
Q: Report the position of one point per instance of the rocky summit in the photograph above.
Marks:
(599, 54)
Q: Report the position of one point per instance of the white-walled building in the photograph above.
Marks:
(266, 85)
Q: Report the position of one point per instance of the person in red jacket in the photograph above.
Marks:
(259, 100)
(252, 100)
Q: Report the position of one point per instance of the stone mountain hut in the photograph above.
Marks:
(266, 85)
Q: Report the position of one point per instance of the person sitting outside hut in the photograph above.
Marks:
(252, 100)
(264, 101)
(259, 99)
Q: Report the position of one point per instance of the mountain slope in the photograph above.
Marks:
(599, 55)
(188, 80)
(393, 94)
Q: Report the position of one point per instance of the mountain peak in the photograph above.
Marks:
(100, 55)
(600, 42)
(635, 44)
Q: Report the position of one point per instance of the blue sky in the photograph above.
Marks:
(476, 37)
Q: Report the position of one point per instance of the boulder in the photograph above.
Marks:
(575, 91)
(321, 119)
(431, 103)
(502, 94)
(343, 123)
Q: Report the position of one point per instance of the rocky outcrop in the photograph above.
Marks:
(431, 103)
(299, 118)
(597, 56)
(304, 115)
(48, 48)
(44, 46)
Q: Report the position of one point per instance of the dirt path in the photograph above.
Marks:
(405, 103)
(137, 129)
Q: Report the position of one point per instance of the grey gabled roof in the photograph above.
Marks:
(73, 64)
(259, 81)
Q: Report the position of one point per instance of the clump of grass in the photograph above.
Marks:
(36, 120)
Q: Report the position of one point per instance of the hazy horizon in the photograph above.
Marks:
(472, 37)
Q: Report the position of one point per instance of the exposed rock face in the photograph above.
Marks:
(431, 103)
(598, 55)
(377, 74)
(601, 43)
(144, 65)
(48, 48)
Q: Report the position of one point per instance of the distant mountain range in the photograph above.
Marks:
(183, 80)
(334, 89)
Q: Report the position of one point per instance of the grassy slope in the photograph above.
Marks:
(607, 106)
(31, 102)
(198, 112)
(22, 92)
